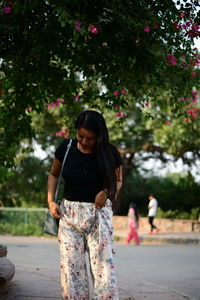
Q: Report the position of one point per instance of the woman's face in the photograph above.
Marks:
(86, 139)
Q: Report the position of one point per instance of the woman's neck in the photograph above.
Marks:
(83, 150)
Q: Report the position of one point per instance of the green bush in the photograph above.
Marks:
(177, 195)
(195, 213)
(21, 229)
(176, 214)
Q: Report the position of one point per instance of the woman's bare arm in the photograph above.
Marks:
(52, 184)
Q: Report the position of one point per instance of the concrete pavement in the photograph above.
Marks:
(40, 283)
(37, 272)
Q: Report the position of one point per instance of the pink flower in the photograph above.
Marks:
(7, 10)
(171, 59)
(195, 27)
(123, 92)
(191, 113)
(91, 67)
(177, 26)
(194, 116)
(194, 99)
(194, 96)
(53, 104)
(173, 62)
(184, 99)
(77, 26)
(167, 122)
(29, 109)
(147, 104)
(77, 97)
(104, 44)
(192, 33)
(93, 29)
(188, 24)
(147, 29)
(63, 133)
(121, 115)
(193, 74)
(117, 106)
(118, 115)
(116, 93)
(182, 15)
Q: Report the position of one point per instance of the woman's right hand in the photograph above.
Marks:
(55, 210)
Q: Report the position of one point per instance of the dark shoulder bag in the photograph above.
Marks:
(51, 224)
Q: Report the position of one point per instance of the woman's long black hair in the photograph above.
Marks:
(134, 206)
(94, 121)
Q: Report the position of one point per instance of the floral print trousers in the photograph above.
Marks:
(84, 229)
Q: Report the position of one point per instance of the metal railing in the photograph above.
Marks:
(11, 212)
(16, 220)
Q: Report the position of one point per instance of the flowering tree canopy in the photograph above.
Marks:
(107, 53)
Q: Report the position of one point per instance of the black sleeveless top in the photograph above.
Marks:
(81, 172)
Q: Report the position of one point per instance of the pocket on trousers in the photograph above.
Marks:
(69, 213)
(105, 217)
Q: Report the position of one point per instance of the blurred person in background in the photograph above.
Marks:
(152, 207)
(133, 224)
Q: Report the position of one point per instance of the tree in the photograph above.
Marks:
(137, 138)
(69, 50)
(28, 185)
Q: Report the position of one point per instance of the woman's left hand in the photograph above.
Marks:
(100, 200)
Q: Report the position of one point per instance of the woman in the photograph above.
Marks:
(93, 177)
(133, 223)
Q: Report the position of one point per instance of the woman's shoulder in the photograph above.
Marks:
(64, 143)
(113, 148)
(61, 149)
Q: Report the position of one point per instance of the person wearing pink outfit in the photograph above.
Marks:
(133, 223)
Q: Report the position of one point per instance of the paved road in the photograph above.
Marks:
(176, 267)
(148, 272)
